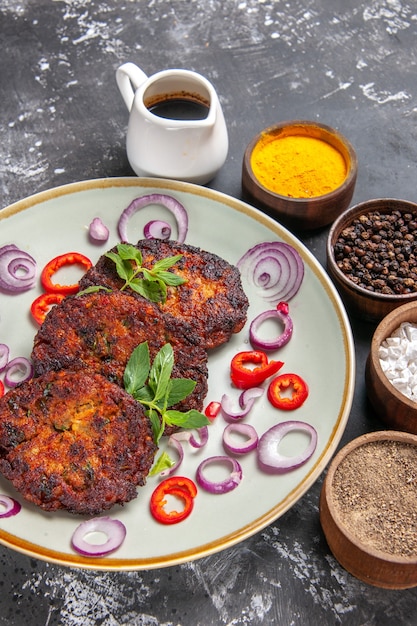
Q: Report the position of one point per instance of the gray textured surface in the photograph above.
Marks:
(348, 64)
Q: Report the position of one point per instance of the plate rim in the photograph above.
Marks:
(175, 558)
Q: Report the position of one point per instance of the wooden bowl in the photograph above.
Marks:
(392, 406)
(365, 533)
(369, 305)
(301, 213)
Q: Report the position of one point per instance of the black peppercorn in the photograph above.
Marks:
(376, 251)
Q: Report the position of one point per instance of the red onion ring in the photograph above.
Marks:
(18, 370)
(175, 443)
(247, 431)
(113, 529)
(17, 269)
(269, 458)
(168, 202)
(278, 342)
(9, 506)
(222, 486)
(157, 229)
(275, 268)
(187, 435)
(246, 401)
(4, 356)
(98, 231)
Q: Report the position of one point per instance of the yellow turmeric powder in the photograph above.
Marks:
(298, 166)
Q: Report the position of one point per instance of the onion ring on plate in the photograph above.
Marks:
(114, 530)
(247, 431)
(157, 229)
(9, 506)
(246, 402)
(17, 269)
(222, 486)
(275, 268)
(280, 313)
(18, 370)
(170, 203)
(4, 356)
(270, 459)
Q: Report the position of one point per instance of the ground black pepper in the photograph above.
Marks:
(378, 252)
(375, 495)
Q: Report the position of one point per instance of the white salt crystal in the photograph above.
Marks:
(398, 358)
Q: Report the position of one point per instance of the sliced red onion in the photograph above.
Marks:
(168, 202)
(246, 401)
(275, 268)
(114, 530)
(18, 370)
(98, 231)
(247, 431)
(222, 486)
(187, 435)
(157, 229)
(4, 356)
(17, 269)
(270, 459)
(281, 314)
(175, 443)
(9, 506)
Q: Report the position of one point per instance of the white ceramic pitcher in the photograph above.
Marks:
(160, 144)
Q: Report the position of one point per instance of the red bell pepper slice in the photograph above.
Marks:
(246, 377)
(69, 258)
(282, 383)
(41, 305)
(1, 389)
(212, 409)
(179, 486)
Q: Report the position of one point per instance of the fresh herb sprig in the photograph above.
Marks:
(150, 283)
(152, 386)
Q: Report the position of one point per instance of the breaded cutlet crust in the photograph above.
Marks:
(74, 441)
(100, 330)
(211, 300)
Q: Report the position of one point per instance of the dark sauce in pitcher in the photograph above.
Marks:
(176, 107)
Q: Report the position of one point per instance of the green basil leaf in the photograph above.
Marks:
(93, 289)
(137, 369)
(165, 264)
(157, 427)
(127, 252)
(178, 389)
(161, 371)
(147, 275)
(121, 268)
(151, 290)
(171, 279)
(190, 419)
(144, 395)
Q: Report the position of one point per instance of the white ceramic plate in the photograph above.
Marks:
(321, 350)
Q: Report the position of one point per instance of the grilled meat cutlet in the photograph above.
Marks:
(99, 331)
(211, 300)
(74, 441)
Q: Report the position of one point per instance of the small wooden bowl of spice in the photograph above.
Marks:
(391, 369)
(368, 509)
(371, 256)
(301, 173)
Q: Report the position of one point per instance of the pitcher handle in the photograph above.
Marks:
(129, 77)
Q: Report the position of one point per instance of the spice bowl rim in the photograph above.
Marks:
(392, 301)
(342, 140)
(306, 212)
(375, 375)
(363, 560)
